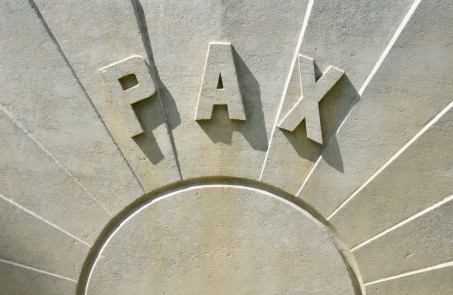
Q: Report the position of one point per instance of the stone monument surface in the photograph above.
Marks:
(226, 147)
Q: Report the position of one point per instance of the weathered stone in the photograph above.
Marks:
(220, 239)
(226, 147)
(418, 179)
(421, 243)
(129, 82)
(307, 108)
(32, 180)
(350, 35)
(433, 282)
(41, 92)
(105, 33)
(27, 240)
(220, 84)
(411, 86)
(18, 280)
(263, 36)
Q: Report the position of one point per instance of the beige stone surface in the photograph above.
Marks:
(421, 243)
(39, 90)
(220, 239)
(220, 84)
(32, 180)
(434, 282)
(350, 35)
(107, 32)
(149, 147)
(264, 36)
(418, 179)
(20, 281)
(411, 86)
(27, 240)
(314, 90)
(129, 81)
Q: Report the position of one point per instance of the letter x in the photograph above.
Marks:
(308, 105)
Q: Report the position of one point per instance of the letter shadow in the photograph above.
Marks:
(166, 102)
(220, 127)
(333, 108)
(149, 114)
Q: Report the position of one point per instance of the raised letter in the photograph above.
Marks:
(307, 107)
(220, 84)
(129, 81)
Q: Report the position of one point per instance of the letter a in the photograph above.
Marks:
(307, 107)
(220, 84)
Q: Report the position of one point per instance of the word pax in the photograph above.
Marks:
(129, 81)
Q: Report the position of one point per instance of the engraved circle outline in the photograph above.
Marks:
(114, 225)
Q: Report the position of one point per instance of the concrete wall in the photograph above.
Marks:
(226, 147)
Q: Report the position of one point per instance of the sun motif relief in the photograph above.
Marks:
(225, 147)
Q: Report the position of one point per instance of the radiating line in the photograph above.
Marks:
(331, 138)
(310, 173)
(288, 78)
(394, 157)
(402, 223)
(439, 266)
(4, 110)
(390, 44)
(63, 55)
(367, 81)
(36, 270)
(42, 219)
(143, 28)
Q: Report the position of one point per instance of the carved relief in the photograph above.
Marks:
(307, 107)
(220, 85)
(129, 82)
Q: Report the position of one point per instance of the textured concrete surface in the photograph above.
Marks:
(411, 87)
(433, 282)
(241, 241)
(21, 281)
(350, 35)
(263, 51)
(226, 147)
(27, 240)
(419, 178)
(217, 90)
(32, 180)
(40, 91)
(105, 33)
(422, 243)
